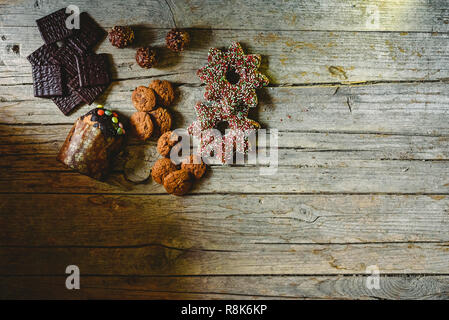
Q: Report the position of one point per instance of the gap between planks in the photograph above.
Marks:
(146, 245)
(230, 275)
(271, 85)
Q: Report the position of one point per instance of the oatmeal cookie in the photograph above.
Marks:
(195, 166)
(161, 169)
(166, 142)
(178, 182)
(143, 99)
(162, 120)
(164, 92)
(142, 125)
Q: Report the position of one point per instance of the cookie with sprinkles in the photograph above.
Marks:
(232, 77)
(239, 128)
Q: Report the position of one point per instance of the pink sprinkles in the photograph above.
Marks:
(227, 100)
(218, 88)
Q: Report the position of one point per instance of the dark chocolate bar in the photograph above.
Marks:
(66, 57)
(67, 103)
(53, 27)
(43, 54)
(47, 80)
(88, 95)
(89, 34)
(93, 70)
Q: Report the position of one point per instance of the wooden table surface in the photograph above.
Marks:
(359, 94)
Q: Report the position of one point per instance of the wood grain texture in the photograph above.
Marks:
(35, 147)
(220, 222)
(288, 57)
(227, 287)
(404, 108)
(257, 259)
(393, 15)
(20, 141)
(379, 177)
(345, 163)
(359, 95)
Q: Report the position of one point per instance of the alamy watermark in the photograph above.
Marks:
(373, 280)
(253, 147)
(73, 20)
(73, 280)
(373, 17)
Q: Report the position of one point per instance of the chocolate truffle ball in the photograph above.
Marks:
(177, 40)
(146, 57)
(121, 36)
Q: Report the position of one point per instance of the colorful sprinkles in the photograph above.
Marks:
(106, 120)
(231, 79)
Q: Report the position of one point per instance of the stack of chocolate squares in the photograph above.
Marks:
(65, 68)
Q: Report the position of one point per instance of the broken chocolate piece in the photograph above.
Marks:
(47, 80)
(88, 95)
(93, 70)
(66, 57)
(43, 54)
(89, 34)
(67, 103)
(53, 27)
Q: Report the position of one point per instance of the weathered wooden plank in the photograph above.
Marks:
(35, 148)
(397, 15)
(230, 287)
(30, 158)
(217, 222)
(255, 259)
(406, 108)
(22, 140)
(289, 57)
(352, 176)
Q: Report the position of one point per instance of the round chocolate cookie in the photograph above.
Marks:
(166, 142)
(164, 92)
(143, 99)
(178, 182)
(142, 125)
(162, 120)
(195, 166)
(161, 169)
